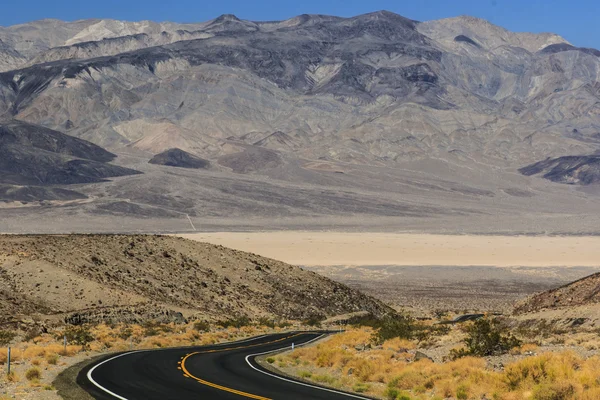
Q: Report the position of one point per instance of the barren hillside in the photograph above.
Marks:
(130, 278)
(583, 292)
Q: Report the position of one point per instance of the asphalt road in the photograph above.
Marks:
(226, 372)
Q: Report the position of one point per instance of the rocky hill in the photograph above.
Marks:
(132, 278)
(179, 158)
(584, 292)
(36, 157)
(373, 115)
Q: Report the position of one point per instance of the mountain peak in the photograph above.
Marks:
(227, 17)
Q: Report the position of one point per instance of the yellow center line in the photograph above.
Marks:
(224, 388)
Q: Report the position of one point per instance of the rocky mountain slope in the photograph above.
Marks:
(583, 170)
(124, 278)
(584, 292)
(440, 114)
(37, 156)
(179, 158)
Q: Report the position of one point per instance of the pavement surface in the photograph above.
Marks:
(225, 371)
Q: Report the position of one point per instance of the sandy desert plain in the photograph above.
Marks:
(427, 272)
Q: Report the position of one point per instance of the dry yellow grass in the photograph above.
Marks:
(389, 372)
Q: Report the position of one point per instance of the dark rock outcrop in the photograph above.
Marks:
(582, 170)
(179, 158)
(33, 155)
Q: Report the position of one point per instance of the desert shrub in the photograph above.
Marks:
(305, 374)
(154, 328)
(462, 392)
(391, 393)
(398, 326)
(314, 321)
(264, 321)
(6, 337)
(52, 359)
(79, 335)
(424, 333)
(151, 331)
(33, 374)
(32, 334)
(485, 337)
(125, 333)
(270, 360)
(555, 391)
(326, 379)
(284, 324)
(12, 377)
(360, 387)
(235, 322)
(201, 326)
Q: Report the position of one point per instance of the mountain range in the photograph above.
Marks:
(374, 116)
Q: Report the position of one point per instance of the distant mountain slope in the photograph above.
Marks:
(179, 158)
(583, 170)
(18, 133)
(105, 277)
(34, 155)
(396, 106)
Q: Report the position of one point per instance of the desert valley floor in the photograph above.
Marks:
(423, 272)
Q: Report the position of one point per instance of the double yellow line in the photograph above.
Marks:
(188, 374)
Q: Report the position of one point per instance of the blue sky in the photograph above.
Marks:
(577, 20)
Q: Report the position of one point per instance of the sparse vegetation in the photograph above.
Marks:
(79, 335)
(52, 359)
(33, 374)
(238, 322)
(485, 337)
(6, 337)
(387, 370)
(268, 322)
(201, 326)
(398, 326)
(314, 321)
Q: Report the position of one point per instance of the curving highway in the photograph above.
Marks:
(219, 372)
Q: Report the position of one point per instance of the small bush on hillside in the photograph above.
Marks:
(12, 377)
(201, 326)
(52, 359)
(361, 387)
(264, 321)
(32, 334)
(125, 333)
(314, 321)
(79, 335)
(424, 334)
(284, 324)
(556, 391)
(236, 322)
(6, 337)
(398, 326)
(154, 328)
(485, 337)
(33, 374)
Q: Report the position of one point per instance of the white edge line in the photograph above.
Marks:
(89, 374)
(296, 382)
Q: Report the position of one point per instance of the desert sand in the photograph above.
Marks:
(357, 249)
